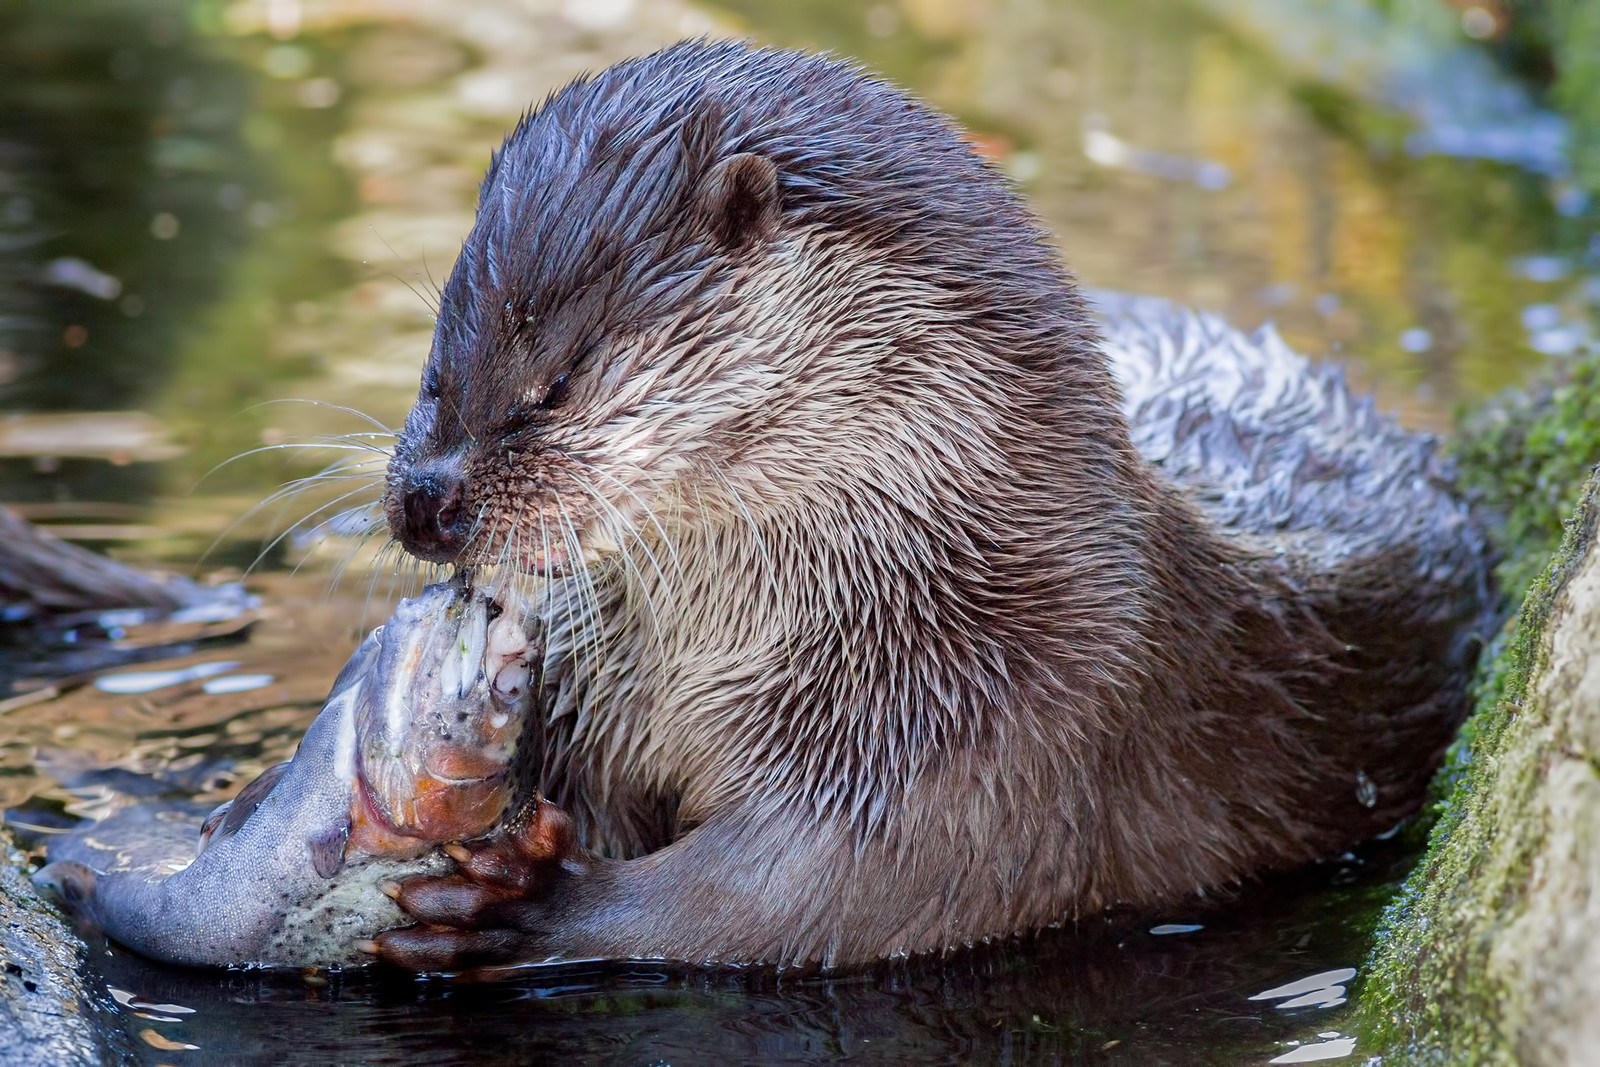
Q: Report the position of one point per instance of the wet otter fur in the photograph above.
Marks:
(906, 605)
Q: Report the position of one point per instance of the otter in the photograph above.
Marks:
(907, 599)
(415, 745)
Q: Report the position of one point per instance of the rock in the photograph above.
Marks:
(46, 1014)
(1492, 952)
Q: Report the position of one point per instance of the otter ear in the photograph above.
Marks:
(738, 201)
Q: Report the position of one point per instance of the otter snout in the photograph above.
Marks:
(425, 509)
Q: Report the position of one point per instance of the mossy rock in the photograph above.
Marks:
(1491, 954)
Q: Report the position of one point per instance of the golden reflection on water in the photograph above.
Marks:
(181, 739)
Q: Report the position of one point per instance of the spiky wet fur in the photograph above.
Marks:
(889, 639)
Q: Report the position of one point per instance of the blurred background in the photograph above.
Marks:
(220, 225)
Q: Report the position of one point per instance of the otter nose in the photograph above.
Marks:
(430, 520)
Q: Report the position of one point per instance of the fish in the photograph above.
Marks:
(416, 746)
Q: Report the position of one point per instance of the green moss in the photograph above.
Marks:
(1429, 996)
(1527, 458)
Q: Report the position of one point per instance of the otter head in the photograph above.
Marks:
(713, 273)
(563, 348)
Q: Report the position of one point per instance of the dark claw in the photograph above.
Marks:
(501, 865)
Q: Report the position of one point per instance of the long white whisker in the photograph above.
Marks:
(625, 532)
(768, 568)
(372, 530)
(573, 548)
(357, 412)
(430, 304)
(640, 502)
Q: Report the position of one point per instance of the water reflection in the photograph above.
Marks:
(139, 197)
(1325, 990)
(118, 128)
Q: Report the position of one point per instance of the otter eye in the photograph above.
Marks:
(556, 392)
(524, 414)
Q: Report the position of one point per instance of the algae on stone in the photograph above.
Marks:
(1492, 952)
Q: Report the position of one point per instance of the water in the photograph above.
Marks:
(208, 208)
(1104, 991)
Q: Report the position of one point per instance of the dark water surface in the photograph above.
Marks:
(1105, 991)
(207, 208)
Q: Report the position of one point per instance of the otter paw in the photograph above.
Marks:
(491, 912)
